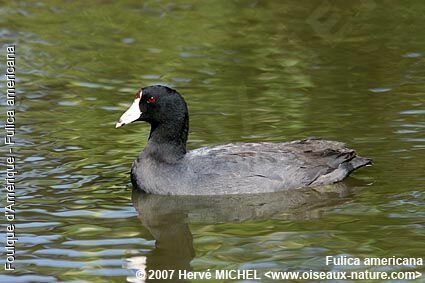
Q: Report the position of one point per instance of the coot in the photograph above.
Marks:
(165, 167)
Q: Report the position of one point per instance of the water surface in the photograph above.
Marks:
(250, 71)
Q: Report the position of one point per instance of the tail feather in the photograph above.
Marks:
(342, 171)
(359, 162)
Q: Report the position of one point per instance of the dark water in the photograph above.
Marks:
(250, 71)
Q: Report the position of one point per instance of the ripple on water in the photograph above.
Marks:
(412, 55)
(413, 112)
(68, 103)
(27, 278)
(92, 85)
(380, 89)
(34, 158)
(36, 224)
(101, 253)
(110, 242)
(126, 212)
(33, 239)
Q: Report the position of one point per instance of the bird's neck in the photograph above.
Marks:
(167, 141)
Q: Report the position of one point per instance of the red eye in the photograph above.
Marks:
(151, 99)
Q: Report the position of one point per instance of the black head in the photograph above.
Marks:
(156, 105)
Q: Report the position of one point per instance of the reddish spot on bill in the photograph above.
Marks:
(138, 94)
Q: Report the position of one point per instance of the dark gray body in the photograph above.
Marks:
(243, 168)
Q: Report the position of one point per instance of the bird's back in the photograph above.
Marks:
(242, 168)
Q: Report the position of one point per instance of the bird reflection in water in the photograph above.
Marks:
(168, 217)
